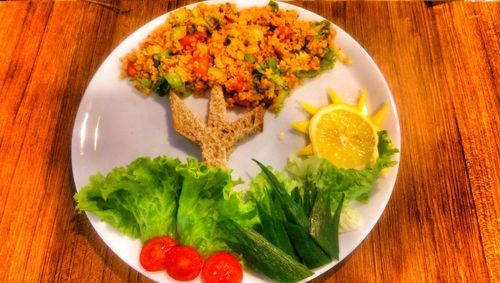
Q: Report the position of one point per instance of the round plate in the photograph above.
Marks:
(115, 125)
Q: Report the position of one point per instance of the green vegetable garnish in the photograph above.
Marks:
(145, 82)
(274, 230)
(323, 28)
(307, 73)
(293, 211)
(158, 56)
(327, 62)
(161, 86)
(315, 242)
(202, 190)
(250, 58)
(176, 83)
(312, 255)
(274, 6)
(278, 223)
(174, 80)
(272, 64)
(355, 184)
(139, 200)
(260, 253)
(324, 226)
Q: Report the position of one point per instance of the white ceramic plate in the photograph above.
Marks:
(115, 125)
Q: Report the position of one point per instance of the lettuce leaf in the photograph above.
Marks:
(139, 200)
(259, 189)
(318, 176)
(162, 196)
(198, 213)
(238, 208)
(355, 184)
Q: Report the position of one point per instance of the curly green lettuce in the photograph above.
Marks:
(139, 200)
(316, 175)
(162, 196)
(202, 190)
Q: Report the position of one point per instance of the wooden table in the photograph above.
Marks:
(442, 64)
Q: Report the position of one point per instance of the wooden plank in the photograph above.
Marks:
(31, 141)
(22, 25)
(476, 103)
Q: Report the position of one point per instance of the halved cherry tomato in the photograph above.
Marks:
(190, 40)
(131, 70)
(183, 263)
(154, 253)
(200, 65)
(222, 267)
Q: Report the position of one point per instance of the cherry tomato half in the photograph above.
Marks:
(154, 253)
(222, 267)
(183, 263)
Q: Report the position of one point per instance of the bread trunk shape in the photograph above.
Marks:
(217, 137)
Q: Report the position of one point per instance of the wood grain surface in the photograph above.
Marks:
(442, 63)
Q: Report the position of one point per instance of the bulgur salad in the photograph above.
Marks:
(258, 55)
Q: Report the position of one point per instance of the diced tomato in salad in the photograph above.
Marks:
(147, 44)
(190, 40)
(284, 32)
(240, 85)
(131, 70)
(200, 65)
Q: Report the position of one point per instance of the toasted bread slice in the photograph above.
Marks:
(218, 137)
(251, 123)
(185, 122)
(217, 109)
(213, 151)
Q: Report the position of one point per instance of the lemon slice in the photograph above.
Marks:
(344, 136)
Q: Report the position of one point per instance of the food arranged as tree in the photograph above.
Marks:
(188, 214)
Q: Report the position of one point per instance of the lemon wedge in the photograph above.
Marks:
(344, 136)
